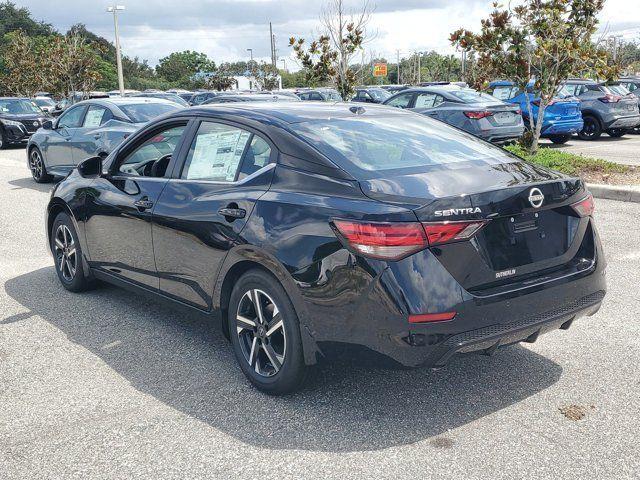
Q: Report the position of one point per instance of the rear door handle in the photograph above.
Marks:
(232, 212)
(143, 204)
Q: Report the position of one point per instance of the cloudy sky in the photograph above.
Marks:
(224, 29)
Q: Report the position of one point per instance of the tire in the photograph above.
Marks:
(3, 140)
(591, 129)
(37, 167)
(67, 255)
(617, 132)
(273, 362)
(559, 139)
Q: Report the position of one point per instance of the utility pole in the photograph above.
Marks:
(273, 46)
(115, 9)
(250, 50)
(398, 58)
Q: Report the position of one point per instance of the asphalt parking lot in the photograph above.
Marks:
(620, 150)
(108, 385)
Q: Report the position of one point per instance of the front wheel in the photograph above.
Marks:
(560, 139)
(591, 129)
(67, 255)
(265, 334)
(617, 132)
(37, 167)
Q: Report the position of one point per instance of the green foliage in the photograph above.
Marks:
(180, 68)
(566, 162)
(547, 40)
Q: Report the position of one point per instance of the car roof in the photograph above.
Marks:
(292, 112)
(580, 81)
(117, 101)
(14, 98)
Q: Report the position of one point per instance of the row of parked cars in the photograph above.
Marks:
(583, 107)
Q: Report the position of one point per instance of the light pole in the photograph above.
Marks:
(115, 9)
(250, 50)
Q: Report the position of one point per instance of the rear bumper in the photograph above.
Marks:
(622, 122)
(562, 127)
(495, 134)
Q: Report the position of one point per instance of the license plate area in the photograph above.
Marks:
(503, 117)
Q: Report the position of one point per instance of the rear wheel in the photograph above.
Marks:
(67, 255)
(617, 132)
(591, 129)
(559, 139)
(265, 334)
(37, 167)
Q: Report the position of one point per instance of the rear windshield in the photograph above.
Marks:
(473, 96)
(618, 90)
(145, 112)
(363, 145)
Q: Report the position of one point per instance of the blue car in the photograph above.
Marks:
(562, 117)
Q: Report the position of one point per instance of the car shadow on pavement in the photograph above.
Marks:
(189, 366)
(30, 183)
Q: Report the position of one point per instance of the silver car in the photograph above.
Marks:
(86, 129)
(477, 113)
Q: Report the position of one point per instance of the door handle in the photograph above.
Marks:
(232, 212)
(143, 204)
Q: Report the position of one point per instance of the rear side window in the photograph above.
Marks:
(257, 156)
(215, 153)
(505, 92)
(94, 117)
(365, 146)
(428, 100)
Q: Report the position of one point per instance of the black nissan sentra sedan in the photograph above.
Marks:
(303, 227)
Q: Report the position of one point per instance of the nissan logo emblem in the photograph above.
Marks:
(536, 198)
(35, 124)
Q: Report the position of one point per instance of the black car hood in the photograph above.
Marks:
(417, 189)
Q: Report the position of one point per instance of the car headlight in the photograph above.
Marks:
(10, 122)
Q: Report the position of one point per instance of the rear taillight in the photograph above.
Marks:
(393, 241)
(608, 98)
(585, 207)
(447, 232)
(478, 115)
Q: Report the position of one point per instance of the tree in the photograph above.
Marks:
(220, 79)
(23, 73)
(72, 65)
(180, 67)
(264, 74)
(546, 41)
(329, 58)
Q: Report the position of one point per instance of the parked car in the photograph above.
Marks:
(394, 88)
(88, 128)
(632, 84)
(320, 95)
(478, 113)
(301, 227)
(370, 95)
(250, 97)
(199, 98)
(19, 119)
(172, 97)
(604, 108)
(562, 117)
(46, 104)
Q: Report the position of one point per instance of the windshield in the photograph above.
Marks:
(145, 112)
(18, 106)
(44, 102)
(472, 96)
(363, 145)
(379, 94)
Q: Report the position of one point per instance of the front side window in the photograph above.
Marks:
(156, 148)
(71, 118)
(215, 153)
(401, 101)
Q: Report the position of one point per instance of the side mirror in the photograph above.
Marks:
(47, 125)
(90, 168)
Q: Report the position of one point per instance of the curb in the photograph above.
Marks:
(615, 192)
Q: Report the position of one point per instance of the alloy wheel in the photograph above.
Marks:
(589, 129)
(35, 164)
(65, 253)
(261, 333)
